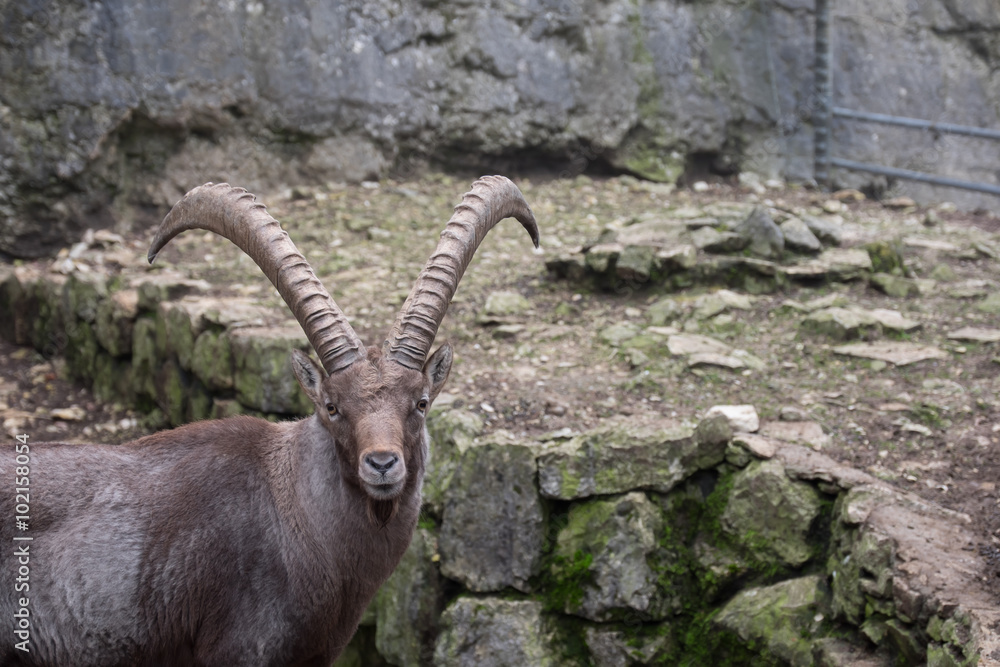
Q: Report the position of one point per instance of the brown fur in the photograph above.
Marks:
(233, 542)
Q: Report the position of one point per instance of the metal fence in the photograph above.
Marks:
(826, 112)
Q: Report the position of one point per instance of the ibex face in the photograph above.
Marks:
(375, 410)
(373, 400)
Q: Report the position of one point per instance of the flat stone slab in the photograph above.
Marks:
(929, 244)
(897, 353)
(717, 360)
(840, 323)
(622, 457)
(721, 301)
(893, 319)
(976, 335)
(652, 233)
(687, 344)
(760, 446)
(803, 432)
(836, 264)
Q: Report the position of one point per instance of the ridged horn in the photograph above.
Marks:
(491, 199)
(235, 214)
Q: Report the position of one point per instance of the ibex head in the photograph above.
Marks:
(372, 401)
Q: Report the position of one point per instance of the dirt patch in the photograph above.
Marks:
(932, 427)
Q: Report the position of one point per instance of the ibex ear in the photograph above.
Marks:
(437, 368)
(309, 375)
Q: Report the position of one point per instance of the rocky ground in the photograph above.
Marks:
(557, 339)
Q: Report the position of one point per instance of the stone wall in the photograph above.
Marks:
(662, 544)
(654, 543)
(110, 111)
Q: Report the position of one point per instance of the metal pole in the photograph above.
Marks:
(916, 176)
(824, 103)
(950, 128)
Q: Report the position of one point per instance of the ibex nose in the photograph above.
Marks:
(381, 462)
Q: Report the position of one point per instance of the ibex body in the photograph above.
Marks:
(240, 541)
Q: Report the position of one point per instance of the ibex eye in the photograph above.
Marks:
(422, 404)
(332, 409)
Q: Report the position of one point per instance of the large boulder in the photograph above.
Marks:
(493, 526)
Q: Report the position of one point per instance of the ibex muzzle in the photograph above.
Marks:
(240, 541)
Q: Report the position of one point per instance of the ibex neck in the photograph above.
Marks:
(325, 505)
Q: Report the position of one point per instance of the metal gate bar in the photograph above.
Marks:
(824, 112)
(915, 176)
(824, 97)
(951, 128)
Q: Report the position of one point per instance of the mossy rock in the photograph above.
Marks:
(664, 311)
(886, 256)
(167, 286)
(180, 395)
(496, 632)
(408, 604)
(603, 257)
(452, 432)
(112, 379)
(861, 560)
(226, 407)
(81, 350)
(781, 618)
(19, 298)
(636, 264)
(82, 295)
(172, 384)
(48, 334)
(10, 292)
(896, 286)
(650, 161)
(182, 323)
(361, 651)
(606, 561)
(622, 457)
(145, 356)
(212, 360)
(493, 524)
(115, 321)
(505, 304)
(771, 515)
(629, 645)
(262, 371)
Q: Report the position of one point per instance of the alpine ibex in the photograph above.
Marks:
(240, 541)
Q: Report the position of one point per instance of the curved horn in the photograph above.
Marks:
(491, 199)
(235, 214)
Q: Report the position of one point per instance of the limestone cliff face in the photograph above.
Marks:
(110, 111)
